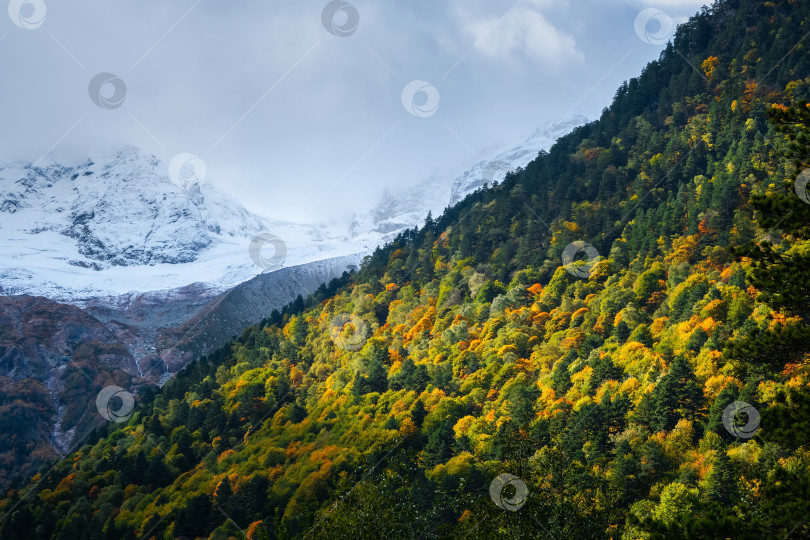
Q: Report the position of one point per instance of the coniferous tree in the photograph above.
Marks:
(721, 482)
(676, 396)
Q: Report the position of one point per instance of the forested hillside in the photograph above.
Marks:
(482, 344)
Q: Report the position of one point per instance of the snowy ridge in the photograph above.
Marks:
(408, 208)
(495, 169)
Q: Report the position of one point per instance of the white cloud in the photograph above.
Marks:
(523, 31)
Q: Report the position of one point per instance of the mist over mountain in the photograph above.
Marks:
(118, 225)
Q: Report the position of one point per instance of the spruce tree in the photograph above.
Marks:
(676, 396)
(721, 483)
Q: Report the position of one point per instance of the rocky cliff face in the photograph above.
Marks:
(229, 314)
(54, 358)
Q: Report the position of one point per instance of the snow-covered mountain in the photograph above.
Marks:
(115, 226)
(118, 225)
(408, 207)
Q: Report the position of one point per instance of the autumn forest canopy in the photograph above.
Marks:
(612, 387)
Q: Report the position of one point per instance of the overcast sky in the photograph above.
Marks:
(298, 114)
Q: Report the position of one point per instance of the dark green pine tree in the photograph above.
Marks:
(696, 340)
(377, 380)
(195, 518)
(561, 377)
(641, 334)
(223, 493)
(714, 422)
(255, 496)
(157, 474)
(721, 483)
(359, 386)
(420, 378)
(603, 369)
(654, 463)
(155, 427)
(624, 474)
(439, 445)
(676, 396)
(418, 413)
(622, 332)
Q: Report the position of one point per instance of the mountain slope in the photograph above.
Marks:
(494, 382)
(55, 358)
(230, 313)
(107, 234)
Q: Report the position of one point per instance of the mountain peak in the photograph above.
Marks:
(398, 210)
(495, 169)
(558, 128)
